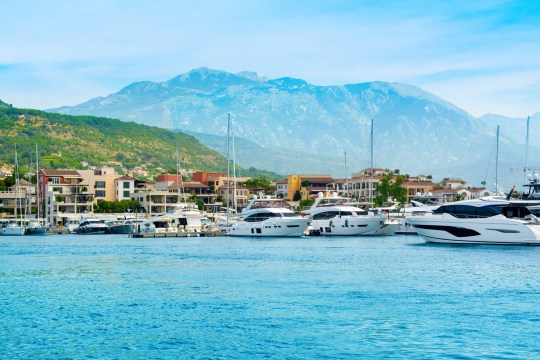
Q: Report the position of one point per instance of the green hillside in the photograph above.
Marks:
(66, 141)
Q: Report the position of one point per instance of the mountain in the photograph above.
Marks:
(250, 154)
(65, 141)
(292, 120)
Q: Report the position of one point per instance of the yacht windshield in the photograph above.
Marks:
(466, 211)
(287, 214)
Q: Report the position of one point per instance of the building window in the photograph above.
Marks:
(126, 185)
(55, 180)
(99, 185)
(126, 194)
(100, 193)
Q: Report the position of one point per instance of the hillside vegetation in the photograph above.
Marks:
(66, 141)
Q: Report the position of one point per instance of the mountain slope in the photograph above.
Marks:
(65, 141)
(414, 131)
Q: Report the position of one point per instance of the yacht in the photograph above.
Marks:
(183, 217)
(266, 216)
(13, 228)
(92, 226)
(36, 227)
(479, 222)
(333, 215)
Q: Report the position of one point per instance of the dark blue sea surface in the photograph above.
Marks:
(114, 297)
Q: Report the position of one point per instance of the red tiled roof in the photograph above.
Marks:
(60, 173)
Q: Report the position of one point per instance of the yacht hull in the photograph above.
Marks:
(490, 231)
(346, 226)
(36, 230)
(270, 228)
(13, 231)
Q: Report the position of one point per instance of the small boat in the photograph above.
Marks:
(479, 222)
(92, 226)
(266, 216)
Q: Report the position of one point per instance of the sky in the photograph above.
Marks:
(482, 56)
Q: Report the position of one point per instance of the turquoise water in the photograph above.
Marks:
(113, 297)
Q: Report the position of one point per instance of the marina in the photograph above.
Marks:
(113, 296)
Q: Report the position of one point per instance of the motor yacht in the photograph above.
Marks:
(183, 217)
(92, 226)
(266, 216)
(479, 222)
(333, 215)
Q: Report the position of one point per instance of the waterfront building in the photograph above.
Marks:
(417, 188)
(282, 188)
(125, 186)
(14, 201)
(308, 184)
(101, 182)
(65, 195)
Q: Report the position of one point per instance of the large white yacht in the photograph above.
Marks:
(333, 215)
(266, 216)
(184, 217)
(479, 222)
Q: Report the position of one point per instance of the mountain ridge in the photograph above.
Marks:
(414, 130)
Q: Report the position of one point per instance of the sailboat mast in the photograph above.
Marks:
(346, 175)
(177, 184)
(497, 163)
(228, 162)
(527, 149)
(371, 165)
(17, 199)
(37, 185)
(234, 173)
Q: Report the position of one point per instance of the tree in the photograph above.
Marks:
(390, 188)
(260, 182)
(483, 184)
(297, 196)
(305, 183)
(307, 202)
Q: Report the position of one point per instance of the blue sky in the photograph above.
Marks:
(483, 56)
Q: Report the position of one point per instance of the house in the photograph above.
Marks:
(125, 186)
(282, 188)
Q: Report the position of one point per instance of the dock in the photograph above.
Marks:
(179, 234)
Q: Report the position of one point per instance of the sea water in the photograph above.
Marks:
(115, 297)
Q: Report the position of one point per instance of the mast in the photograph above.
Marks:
(228, 162)
(497, 163)
(37, 185)
(17, 199)
(346, 176)
(234, 172)
(371, 165)
(526, 149)
(177, 184)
